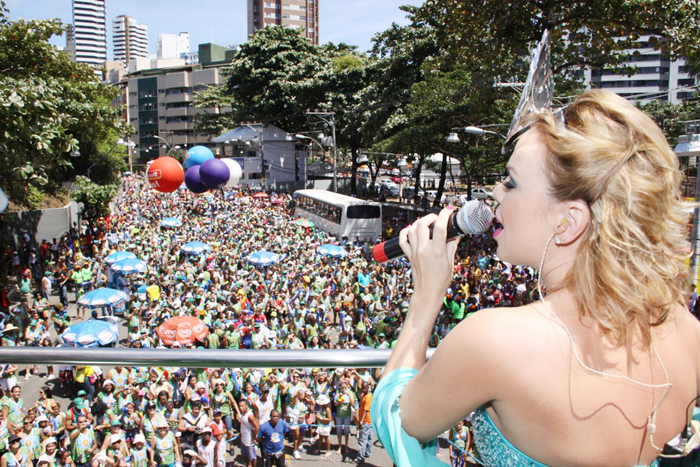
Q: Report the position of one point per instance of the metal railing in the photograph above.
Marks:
(202, 358)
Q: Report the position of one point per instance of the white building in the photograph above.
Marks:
(173, 46)
(90, 32)
(657, 77)
(130, 39)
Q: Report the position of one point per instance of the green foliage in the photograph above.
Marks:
(275, 77)
(34, 197)
(670, 117)
(95, 197)
(49, 107)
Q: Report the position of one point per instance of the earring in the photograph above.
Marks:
(557, 240)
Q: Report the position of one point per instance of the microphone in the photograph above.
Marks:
(474, 218)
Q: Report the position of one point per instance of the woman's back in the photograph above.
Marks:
(559, 413)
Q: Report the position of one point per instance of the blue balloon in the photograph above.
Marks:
(214, 173)
(197, 155)
(194, 181)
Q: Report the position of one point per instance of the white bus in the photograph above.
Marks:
(340, 215)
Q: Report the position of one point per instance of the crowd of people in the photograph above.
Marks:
(160, 416)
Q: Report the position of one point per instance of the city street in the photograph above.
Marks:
(30, 393)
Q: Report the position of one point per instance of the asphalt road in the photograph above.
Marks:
(379, 457)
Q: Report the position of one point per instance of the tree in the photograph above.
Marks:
(95, 198)
(275, 77)
(587, 33)
(50, 108)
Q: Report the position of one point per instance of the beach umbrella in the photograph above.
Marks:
(330, 249)
(195, 248)
(303, 222)
(102, 297)
(263, 258)
(91, 333)
(260, 195)
(182, 329)
(129, 266)
(171, 222)
(118, 256)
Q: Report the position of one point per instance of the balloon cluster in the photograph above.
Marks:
(204, 172)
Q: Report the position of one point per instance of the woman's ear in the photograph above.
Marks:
(574, 221)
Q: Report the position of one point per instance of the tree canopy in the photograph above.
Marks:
(51, 108)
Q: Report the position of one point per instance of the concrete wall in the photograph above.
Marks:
(49, 223)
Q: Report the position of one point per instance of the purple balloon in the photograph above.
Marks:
(214, 173)
(193, 180)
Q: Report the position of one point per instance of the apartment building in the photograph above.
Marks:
(160, 105)
(130, 39)
(657, 77)
(173, 46)
(301, 14)
(89, 32)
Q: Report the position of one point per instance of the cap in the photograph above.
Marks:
(115, 438)
(49, 440)
(108, 381)
(323, 400)
(139, 438)
(206, 430)
(82, 392)
(115, 422)
(201, 385)
(42, 418)
(79, 402)
(190, 452)
(45, 458)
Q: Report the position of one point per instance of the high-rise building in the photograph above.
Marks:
(657, 77)
(173, 46)
(90, 32)
(301, 14)
(130, 39)
(70, 40)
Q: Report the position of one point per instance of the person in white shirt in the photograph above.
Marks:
(207, 447)
(249, 433)
(264, 405)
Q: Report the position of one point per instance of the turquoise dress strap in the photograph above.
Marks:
(403, 449)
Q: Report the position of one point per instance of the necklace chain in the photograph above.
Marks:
(651, 419)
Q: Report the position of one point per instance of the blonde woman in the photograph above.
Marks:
(601, 370)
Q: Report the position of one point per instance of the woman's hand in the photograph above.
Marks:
(432, 258)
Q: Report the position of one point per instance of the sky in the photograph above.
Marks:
(224, 22)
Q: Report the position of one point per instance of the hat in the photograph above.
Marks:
(115, 438)
(190, 452)
(79, 402)
(195, 397)
(13, 439)
(200, 384)
(108, 381)
(139, 438)
(59, 306)
(162, 424)
(45, 458)
(82, 393)
(323, 400)
(115, 422)
(49, 441)
(42, 418)
(206, 429)
(10, 327)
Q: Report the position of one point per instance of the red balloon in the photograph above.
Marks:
(165, 174)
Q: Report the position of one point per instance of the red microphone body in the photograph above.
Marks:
(473, 218)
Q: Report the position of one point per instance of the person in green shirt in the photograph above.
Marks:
(165, 445)
(83, 441)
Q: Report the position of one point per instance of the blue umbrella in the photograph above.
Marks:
(91, 333)
(195, 248)
(102, 297)
(118, 256)
(263, 258)
(171, 222)
(335, 251)
(129, 266)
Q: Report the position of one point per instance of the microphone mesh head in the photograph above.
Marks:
(475, 217)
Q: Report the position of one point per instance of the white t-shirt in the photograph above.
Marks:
(247, 429)
(208, 451)
(264, 409)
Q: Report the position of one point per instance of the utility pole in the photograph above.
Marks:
(328, 117)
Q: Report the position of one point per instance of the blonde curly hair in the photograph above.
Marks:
(630, 267)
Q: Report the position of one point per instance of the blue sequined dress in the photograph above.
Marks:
(494, 449)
